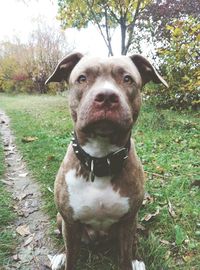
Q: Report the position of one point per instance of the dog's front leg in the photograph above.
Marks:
(128, 245)
(125, 232)
(72, 236)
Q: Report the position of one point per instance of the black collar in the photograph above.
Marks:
(108, 165)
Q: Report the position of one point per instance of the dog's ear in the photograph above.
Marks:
(147, 71)
(64, 68)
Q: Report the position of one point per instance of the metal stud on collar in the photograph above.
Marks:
(92, 175)
(108, 161)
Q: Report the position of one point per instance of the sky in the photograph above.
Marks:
(18, 19)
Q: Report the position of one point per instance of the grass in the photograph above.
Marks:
(6, 217)
(167, 143)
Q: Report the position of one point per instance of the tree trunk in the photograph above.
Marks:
(123, 36)
(108, 37)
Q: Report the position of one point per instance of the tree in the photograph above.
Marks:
(11, 66)
(46, 47)
(106, 15)
(160, 13)
(173, 27)
(25, 67)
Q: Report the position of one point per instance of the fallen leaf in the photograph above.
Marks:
(171, 210)
(23, 230)
(57, 232)
(15, 207)
(50, 189)
(145, 175)
(188, 257)
(23, 174)
(167, 255)
(25, 186)
(16, 257)
(11, 178)
(29, 139)
(150, 216)
(28, 241)
(24, 195)
(49, 158)
(19, 159)
(160, 169)
(165, 242)
(26, 213)
(196, 183)
(140, 227)
(147, 199)
(6, 182)
(10, 148)
(60, 258)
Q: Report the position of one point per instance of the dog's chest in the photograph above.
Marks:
(95, 203)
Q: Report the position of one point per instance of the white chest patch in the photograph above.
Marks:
(95, 203)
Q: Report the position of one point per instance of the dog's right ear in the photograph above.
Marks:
(64, 68)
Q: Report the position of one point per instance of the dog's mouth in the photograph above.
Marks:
(104, 121)
(103, 127)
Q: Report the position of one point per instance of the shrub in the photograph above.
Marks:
(179, 62)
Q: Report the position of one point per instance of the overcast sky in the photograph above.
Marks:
(18, 19)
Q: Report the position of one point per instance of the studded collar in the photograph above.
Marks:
(110, 164)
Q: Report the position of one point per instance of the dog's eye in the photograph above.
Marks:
(128, 79)
(81, 79)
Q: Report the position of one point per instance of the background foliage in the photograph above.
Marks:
(168, 32)
(25, 67)
(107, 16)
(179, 61)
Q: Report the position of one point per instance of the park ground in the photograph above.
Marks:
(167, 143)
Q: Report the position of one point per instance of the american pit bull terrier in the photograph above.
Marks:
(99, 187)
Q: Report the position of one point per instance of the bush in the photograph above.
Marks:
(179, 62)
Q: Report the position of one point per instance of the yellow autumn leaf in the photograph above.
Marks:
(177, 32)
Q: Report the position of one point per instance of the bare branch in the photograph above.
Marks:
(105, 38)
(107, 32)
(132, 26)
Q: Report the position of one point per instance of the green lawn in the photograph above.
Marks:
(167, 143)
(7, 241)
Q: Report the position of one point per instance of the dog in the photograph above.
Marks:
(99, 187)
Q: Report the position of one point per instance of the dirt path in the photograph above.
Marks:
(31, 224)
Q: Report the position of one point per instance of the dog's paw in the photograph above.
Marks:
(138, 265)
(57, 261)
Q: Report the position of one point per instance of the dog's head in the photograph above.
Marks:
(105, 92)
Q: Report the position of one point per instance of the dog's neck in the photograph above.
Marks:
(100, 157)
(100, 146)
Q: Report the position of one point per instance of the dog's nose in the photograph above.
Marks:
(108, 98)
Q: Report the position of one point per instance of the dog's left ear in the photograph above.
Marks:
(147, 71)
(64, 68)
